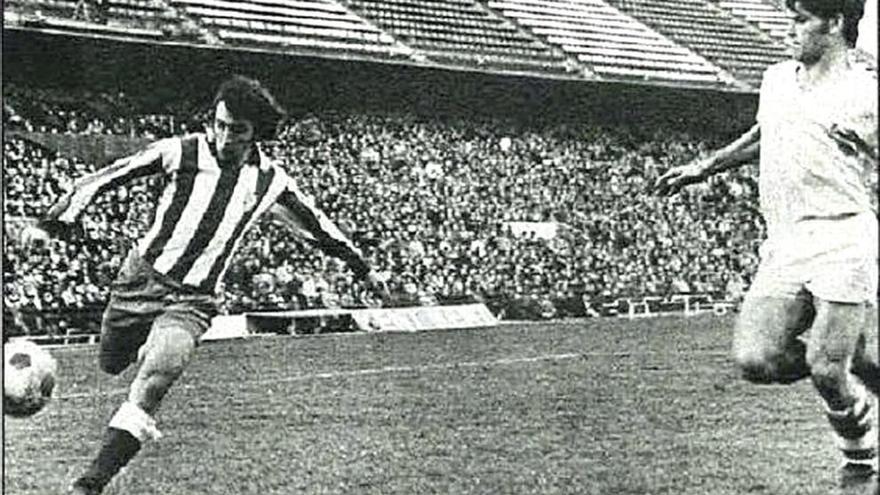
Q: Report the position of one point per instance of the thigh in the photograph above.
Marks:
(843, 262)
(844, 277)
(176, 332)
(124, 329)
(767, 324)
(191, 314)
(135, 303)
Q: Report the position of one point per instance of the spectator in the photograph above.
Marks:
(438, 197)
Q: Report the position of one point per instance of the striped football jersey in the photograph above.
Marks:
(206, 208)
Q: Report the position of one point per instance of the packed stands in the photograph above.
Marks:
(92, 113)
(438, 204)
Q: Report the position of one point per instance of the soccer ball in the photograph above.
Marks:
(28, 378)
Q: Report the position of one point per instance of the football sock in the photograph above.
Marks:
(128, 429)
(856, 432)
(136, 421)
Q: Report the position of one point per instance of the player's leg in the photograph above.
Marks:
(833, 343)
(848, 272)
(866, 363)
(134, 304)
(766, 347)
(123, 332)
(165, 356)
(162, 359)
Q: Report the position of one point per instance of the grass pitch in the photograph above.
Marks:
(601, 406)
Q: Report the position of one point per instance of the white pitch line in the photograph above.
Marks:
(426, 367)
(409, 369)
(362, 372)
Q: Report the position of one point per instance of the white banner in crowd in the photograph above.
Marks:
(541, 230)
(424, 318)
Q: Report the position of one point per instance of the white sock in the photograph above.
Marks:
(133, 419)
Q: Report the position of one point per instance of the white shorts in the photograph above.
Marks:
(833, 259)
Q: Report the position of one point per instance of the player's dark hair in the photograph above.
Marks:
(851, 10)
(246, 98)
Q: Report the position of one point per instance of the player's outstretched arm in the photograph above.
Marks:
(744, 150)
(60, 219)
(156, 158)
(298, 211)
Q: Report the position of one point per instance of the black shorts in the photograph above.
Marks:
(143, 300)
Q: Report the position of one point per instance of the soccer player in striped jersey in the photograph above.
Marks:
(811, 308)
(163, 299)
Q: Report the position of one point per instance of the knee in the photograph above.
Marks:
(166, 352)
(828, 372)
(754, 362)
(766, 365)
(757, 367)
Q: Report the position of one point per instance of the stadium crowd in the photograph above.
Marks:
(452, 210)
(88, 113)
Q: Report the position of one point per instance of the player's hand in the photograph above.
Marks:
(32, 236)
(850, 143)
(677, 177)
(377, 284)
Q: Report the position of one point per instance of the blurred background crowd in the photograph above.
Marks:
(451, 209)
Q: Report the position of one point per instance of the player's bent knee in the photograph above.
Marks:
(828, 374)
(167, 351)
(762, 367)
(755, 370)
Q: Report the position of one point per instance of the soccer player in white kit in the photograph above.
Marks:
(811, 308)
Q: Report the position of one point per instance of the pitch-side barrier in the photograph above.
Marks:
(405, 319)
(369, 320)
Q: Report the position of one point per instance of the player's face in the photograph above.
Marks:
(233, 137)
(809, 36)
